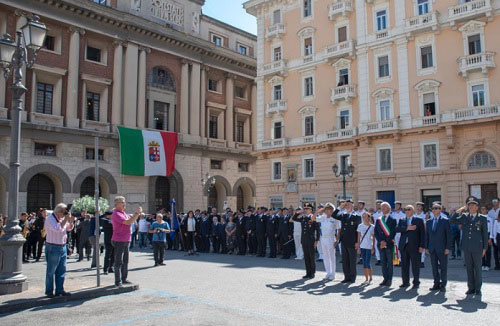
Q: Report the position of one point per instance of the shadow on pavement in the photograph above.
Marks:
(467, 305)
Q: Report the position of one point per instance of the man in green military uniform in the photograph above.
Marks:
(474, 241)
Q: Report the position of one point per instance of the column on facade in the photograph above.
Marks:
(73, 70)
(203, 89)
(141, 96)
(117, 115)
(130, 86)
(194, 102)
(253, 127)
(230, 109)
(403, 79)
(184, 110)
(364, 86)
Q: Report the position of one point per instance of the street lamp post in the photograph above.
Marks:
(346, 171)
(13, 57)
(210, 181)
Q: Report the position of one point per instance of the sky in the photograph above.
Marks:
(232, 13)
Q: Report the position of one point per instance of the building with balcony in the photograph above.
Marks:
(404, 90)
(142, 65)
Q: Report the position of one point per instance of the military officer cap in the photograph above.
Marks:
(299, 208)
(361, 202)
(284, 209)
(330, 205)
(348, 201)
(321, 205)
(472, 200)
(308, 206)
(495, 200)
(378, 201)
(263, 208)
(398, 202)
(279, 209)
(419, 203)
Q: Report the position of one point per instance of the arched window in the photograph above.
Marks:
(41, 193)
(481, 160)
(159, 77)
(240, 199)
(88, 188)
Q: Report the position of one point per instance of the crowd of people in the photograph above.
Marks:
(399, 236)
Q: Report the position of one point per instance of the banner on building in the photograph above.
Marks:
(147, 153)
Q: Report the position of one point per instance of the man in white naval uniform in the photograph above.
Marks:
(320, 248)
(376, 216)
(329, 230)
(419, 212)
(297, 235)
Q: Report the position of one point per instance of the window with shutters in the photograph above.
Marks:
(93, 106)
(344, 119)
(426, 57)
(277, 92)
(430, 155)
(381, 16)
(385, 110)
(481, 160)
(308, 46)
(240, 131)
(429, 104)
(213, 124)
(308, 87)
(423, 7)
(383, 66)
(309, 126)
(474, 42)
(277, 16)
(44, 96)
(307, 12)
(342, 34)
(384, 159)
(478, 97)
(277, 53)
(308, 164)
(276, 170)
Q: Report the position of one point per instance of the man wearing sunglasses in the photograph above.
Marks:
(437, 245)
(474, 242)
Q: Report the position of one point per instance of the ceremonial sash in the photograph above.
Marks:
(384, 227)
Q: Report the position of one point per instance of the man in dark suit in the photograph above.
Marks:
(411, 246)
(285, 231)
(349, 238)
(205, 232)
(272, 232)
(260, 230)
(474, 242)
(438, 244)
(241, 234)
(385, 231)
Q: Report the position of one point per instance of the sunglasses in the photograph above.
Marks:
(407, 209)
(436, 208)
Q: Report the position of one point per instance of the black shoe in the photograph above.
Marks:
(378, 263)
(479, 293)
(104, 273)
(351, 281)
(384, 283)
(442, 289)
(50, 295)
(470, 292)
(111, 270)
(162, 264)
(319, 260)
(119, 285)
(415, 286)
(360, 262)
(63, 294)
(305, 276)
(156, 264)
(435, 288)
(311, 276)
(404, 285)
(344, 281)
(388, 284)
(126, 282)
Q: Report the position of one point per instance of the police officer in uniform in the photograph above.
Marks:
(309, 237)
(251, 228)
(348, 238)
(272, 232)
(260, 230)
(285, 234)
(474, 242)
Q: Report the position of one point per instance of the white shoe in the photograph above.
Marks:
(299, 258)
(482, 268)
(486, 268)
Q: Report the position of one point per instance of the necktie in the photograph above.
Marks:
(434, 224)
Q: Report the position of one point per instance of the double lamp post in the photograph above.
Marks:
(346, 171)
(14, 56)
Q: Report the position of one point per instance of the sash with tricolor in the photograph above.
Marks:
(387, 232)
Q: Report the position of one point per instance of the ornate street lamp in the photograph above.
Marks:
(13, 57)
(346, 171)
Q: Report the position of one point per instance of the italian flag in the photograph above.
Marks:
(147, 153)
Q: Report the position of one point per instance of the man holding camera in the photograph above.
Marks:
(56, 226)
(159, 229)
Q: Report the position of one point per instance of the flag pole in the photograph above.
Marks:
(96, 215)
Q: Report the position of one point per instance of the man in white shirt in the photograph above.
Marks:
(495, 230)
(143, 231)
(376, 216)
(361, 208)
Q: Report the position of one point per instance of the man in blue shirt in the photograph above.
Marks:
(159, 229)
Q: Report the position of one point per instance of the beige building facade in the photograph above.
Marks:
(403, 90)
(157, 65)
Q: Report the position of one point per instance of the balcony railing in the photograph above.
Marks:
(46, 119)
(377, 126)
(243, 146)
(341, 134)
(341, 8)
(346, 93)
(379, 35)
(274, 143)
(340, 49)
(277, 106)
(426, 121)
(422, 22)
(472, 113)
(276, 67)
(481, 61)
(469, 10)
(309, 139)
(275, 30)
